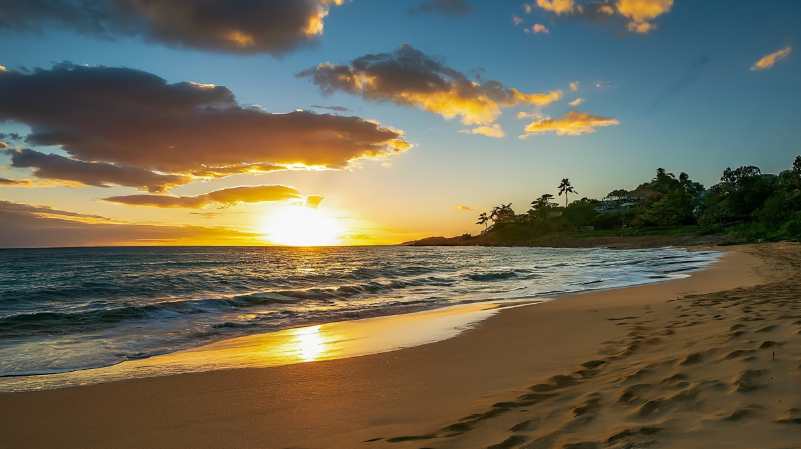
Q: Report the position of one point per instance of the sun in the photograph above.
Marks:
(302, 226)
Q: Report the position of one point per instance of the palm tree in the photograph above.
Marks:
(502, 214)
(566, 188)
(483, 219)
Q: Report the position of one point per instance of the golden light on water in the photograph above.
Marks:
(310, 343)
(302, 226)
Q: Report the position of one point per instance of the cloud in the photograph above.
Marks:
(640, 12)
(767, 61)
(572, 124)
(516, 20)
(331, 108)
(10, 136)
(15, 182)
(130, 118)
(26, 226)
(534, 115)
(231, 26)
(446, 7)
(489, 131)
(574, 86)
(537, 28)
(223, 198)
(576, 102)
(408, 77)
(557, 6)
(635, 15)
(465, 208)
(3, 145)
(313, 201)
(98, 174)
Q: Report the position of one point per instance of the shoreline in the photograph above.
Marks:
(314, 341)
(340, 402)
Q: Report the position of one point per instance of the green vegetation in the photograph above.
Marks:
(746, 206)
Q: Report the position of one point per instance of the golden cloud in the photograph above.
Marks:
(640, 12)
(464, 208)
(574, 86)
(517, 20)
(489, 131)
(408, 77)
(223, 198)
(557, 6)
(537, 28)
(636, 14)
(572, 124)
(576, 102)
(767, 61)
(524, 114)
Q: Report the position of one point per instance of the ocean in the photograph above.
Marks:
(80, 308)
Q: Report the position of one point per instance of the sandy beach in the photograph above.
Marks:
(711, 360)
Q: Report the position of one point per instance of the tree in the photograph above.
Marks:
(566, 188)
(483, 219)
(542, 205)
(797, 166)
(502, 214)
(619, 195)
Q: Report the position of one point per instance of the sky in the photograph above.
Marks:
(331, 122)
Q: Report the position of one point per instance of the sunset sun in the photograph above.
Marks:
(302, 226)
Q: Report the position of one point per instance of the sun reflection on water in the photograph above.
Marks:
(310, 343)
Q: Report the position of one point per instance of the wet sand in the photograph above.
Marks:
(671, 364)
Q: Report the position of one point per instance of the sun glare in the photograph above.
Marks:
(302, 226)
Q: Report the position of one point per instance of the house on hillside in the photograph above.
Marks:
(615, 207)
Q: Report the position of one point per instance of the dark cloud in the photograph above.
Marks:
(235, 26)
(10, 136)
(98, 174)
(15, 182)
(447, 7)
(331, 108)
(223, 198)
(26, 226)
(132, 119)
(408, 77)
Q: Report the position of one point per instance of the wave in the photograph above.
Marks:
(137, 303)
(38, 323)
(494, 276)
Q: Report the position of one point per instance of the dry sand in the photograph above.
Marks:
(665, 365)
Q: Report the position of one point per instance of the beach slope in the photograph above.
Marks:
(712, 359)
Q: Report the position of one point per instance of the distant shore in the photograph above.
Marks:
(673, 363)
(562, 241)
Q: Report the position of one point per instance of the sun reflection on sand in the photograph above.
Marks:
(310, 343)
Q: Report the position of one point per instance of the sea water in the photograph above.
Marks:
(82, 308)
